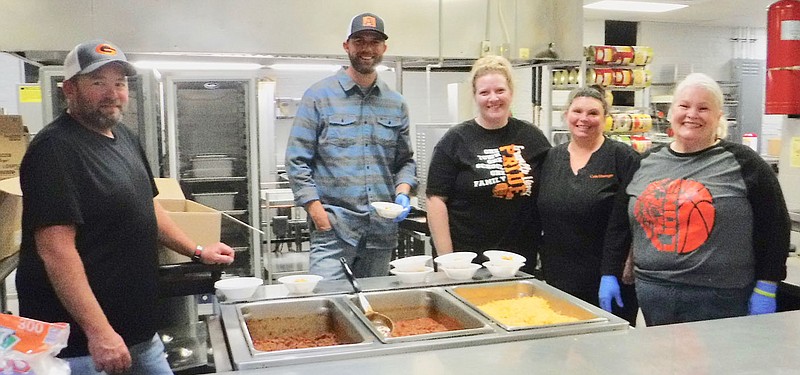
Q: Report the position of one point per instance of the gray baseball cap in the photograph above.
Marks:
(366, 22)
(88, 57)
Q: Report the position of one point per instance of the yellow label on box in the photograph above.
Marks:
(795, 153)
(30, 94)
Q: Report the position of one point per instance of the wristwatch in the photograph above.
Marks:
(197, 252)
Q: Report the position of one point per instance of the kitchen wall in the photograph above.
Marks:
(297, 27)
(12, 74)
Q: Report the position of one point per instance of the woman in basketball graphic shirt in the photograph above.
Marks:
(579, 181)
(482, 173)
(709, 224)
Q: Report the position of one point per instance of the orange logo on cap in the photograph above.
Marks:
(105, 49)
(369, 21)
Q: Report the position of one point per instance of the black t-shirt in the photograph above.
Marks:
(575, 211)
(488, 177)
(71, 175)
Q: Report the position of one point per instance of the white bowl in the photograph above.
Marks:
(411, 264)
(504, 256)
(454, 259)
(412, 277)
(503, 268)
(387, 210)
(238, 287)
(300, 284)
(460, 271)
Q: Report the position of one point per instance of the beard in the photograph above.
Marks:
(93, 115)
(364, 67)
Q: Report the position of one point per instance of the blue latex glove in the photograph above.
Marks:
(763, 299)
(609, 288)
(404, 201)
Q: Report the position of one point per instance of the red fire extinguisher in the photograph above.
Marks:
(783, 58)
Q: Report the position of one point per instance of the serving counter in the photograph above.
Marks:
(277, 310)
(765, 344)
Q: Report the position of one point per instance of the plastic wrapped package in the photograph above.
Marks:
(29, 346)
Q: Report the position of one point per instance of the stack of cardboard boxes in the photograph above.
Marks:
(13, 143)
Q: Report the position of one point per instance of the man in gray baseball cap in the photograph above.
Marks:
(91, 229)
(87, 57)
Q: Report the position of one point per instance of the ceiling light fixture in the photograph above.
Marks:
(634, 6)
(194, 65)
(306, 67)
(317, 67)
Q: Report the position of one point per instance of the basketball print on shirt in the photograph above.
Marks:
(509, 172)
(677, 215)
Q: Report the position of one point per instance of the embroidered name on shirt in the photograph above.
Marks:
(609, 175)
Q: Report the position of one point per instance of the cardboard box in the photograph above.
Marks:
(202, 224)
(13, 143)
(10, 217)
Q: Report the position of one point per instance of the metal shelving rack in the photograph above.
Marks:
(273, 201)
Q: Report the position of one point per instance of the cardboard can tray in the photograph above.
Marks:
(409, 304)
(560, 302)
(308, 317)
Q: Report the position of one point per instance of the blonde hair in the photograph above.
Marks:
(492, 64)
(705, 82)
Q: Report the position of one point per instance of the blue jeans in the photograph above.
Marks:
(148, 358)
(668, 303)
(327, 248)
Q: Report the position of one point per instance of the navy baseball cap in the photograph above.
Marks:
(366, 22)
(88, 57)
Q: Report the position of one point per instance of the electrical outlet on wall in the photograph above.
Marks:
(486, 47)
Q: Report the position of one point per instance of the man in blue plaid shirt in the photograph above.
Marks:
(349, 146)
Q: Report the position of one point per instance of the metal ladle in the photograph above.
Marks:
(382, 323)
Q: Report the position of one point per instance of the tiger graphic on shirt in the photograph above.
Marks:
(509, 173)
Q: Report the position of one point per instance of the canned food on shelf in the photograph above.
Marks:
(640, 143)
(641, 122)
(572, 77)
(557, 77)
(622, 122)
(622, 77)
(623, 55)
(642, 55)
(601, 76)
(642, 77)
(601, 55)
(609, 125)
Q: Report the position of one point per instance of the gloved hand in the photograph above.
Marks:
(763, 299)
(609, 288)
(404, 201)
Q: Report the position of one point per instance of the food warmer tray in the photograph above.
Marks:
(365, 341)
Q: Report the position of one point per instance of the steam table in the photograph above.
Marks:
(763, 344)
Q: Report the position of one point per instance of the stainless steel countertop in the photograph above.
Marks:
(765, 344)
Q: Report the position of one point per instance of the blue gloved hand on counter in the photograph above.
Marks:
(609, 289)
(763, 299)
(405, 201)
